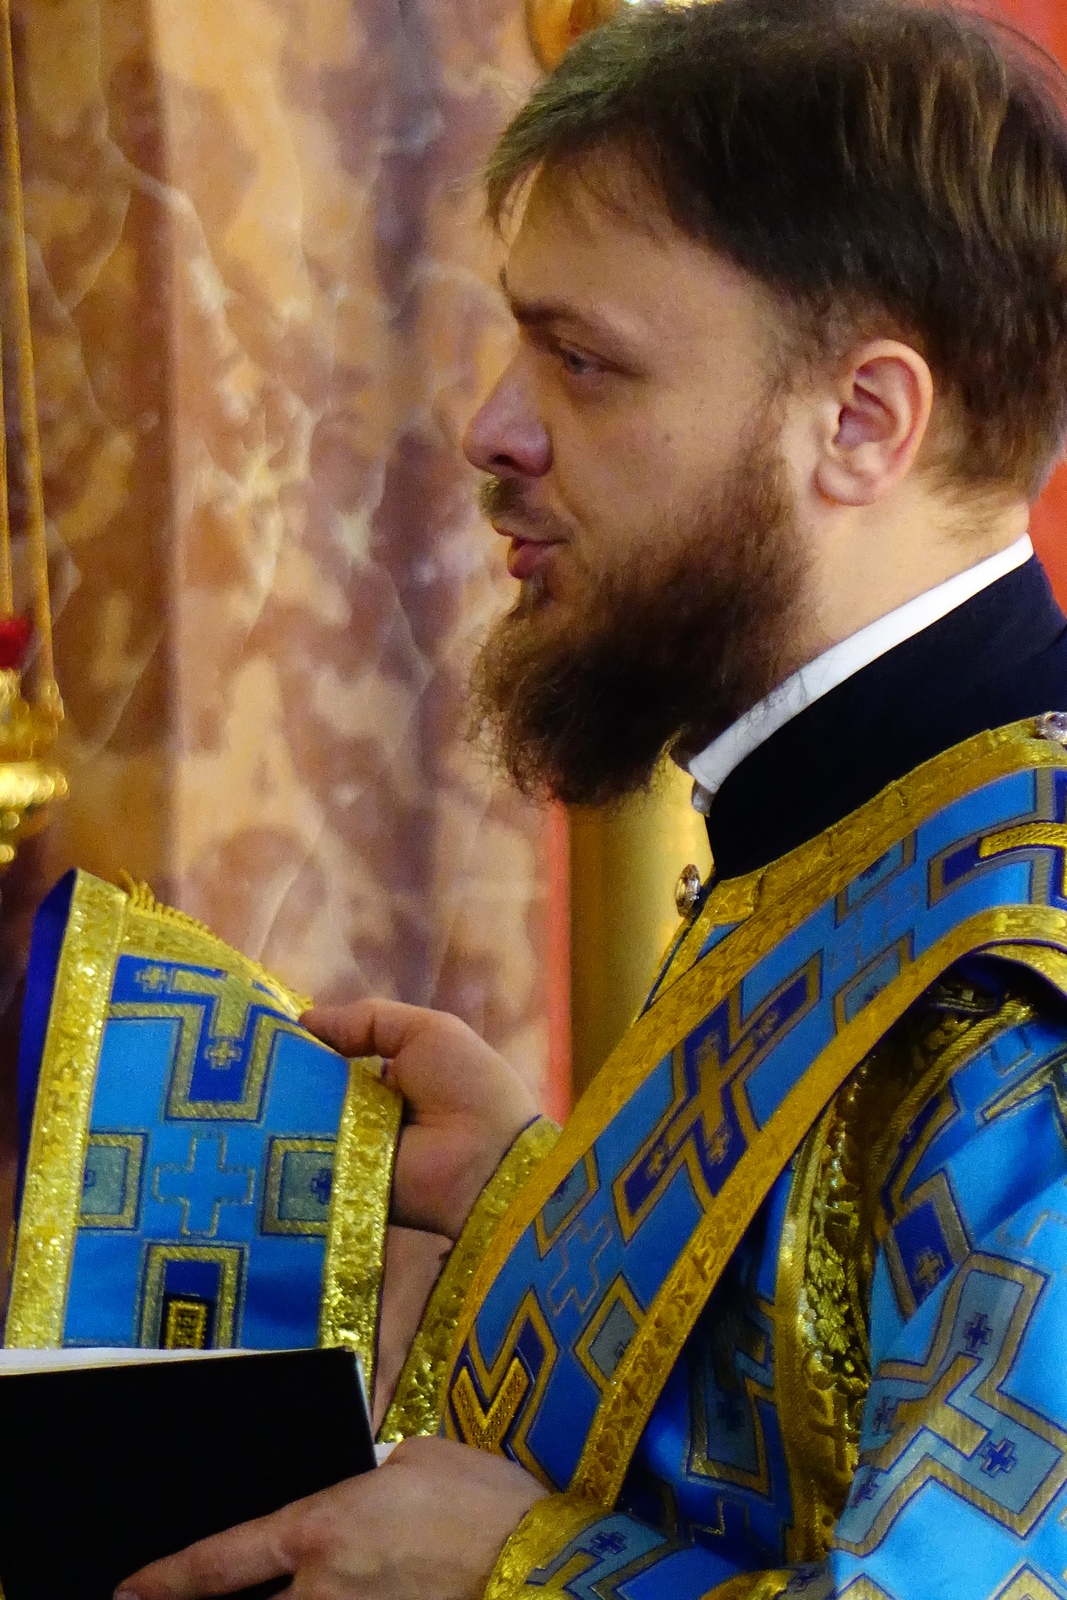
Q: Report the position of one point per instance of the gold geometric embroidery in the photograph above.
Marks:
(695, 1132)
(484, 1402)
(186, 1325)
(751, 1342)
(228, 1258)
(936, 1413)
(788, 892)
(602, 1343)
(223, 1050)
(1050, 1074)
(1026, 1585)
(485, 1429)
(1029, 836)
(938, 1258)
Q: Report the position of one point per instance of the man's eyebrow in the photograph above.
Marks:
(540, 313)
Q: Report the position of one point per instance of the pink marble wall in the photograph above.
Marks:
(262, 311)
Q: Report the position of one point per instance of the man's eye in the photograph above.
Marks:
(575, 362)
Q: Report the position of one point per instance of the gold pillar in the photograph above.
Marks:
(624, 867)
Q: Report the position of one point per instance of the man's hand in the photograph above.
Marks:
(465, 1105)
(428, 1525)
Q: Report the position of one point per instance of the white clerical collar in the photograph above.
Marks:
(713, 766)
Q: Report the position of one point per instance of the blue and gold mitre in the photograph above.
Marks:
(196, 1169)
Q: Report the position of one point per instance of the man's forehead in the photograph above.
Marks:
(581, 255)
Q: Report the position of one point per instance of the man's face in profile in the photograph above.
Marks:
(633, 452)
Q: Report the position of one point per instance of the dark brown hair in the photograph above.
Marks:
(878, 164)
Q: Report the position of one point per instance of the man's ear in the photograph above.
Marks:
(875, 422)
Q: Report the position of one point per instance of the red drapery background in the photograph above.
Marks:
(1046, 22)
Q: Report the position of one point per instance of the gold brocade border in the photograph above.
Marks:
(56, 1161)
(866, 834)
(547, 1528)
(418, 1403)
(636, 1384)
(359, 1211)
(785, 893)
(803, 1429)
(156, 930)
(793, 1408)
(1038, 958)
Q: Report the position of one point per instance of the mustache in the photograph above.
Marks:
(501, 499)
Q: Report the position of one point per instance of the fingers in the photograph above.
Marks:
(367, 1027)
(237, 1559)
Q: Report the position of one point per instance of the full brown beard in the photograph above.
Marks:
(658, 654)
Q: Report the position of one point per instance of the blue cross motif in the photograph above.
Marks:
(204, 1185)
(885, 1415)
(578, 1278)
(978, 1333)
(321, 1185)
(608, 1544)
(866, 1490)
(999, 1457)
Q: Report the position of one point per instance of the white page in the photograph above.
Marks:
(103, 1356)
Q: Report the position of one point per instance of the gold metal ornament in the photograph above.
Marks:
(28, 726)
(554, 25)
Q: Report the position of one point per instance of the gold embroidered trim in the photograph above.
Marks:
(154, 929)
(56, 1162)
(833, 1220)
(547, 1528)
(821, 1359)
(103, 923)
(359, 1211)
(870, 831)
(418, 1403)
(784, 894)
(635, 1386)
(1046, 963)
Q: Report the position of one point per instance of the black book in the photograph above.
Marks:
(106, 1468)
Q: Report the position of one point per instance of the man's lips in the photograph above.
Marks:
(527, 556)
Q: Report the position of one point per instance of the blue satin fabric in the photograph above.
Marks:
(961, 1486)
(584, 1273)
(965, 1442)
(210, 1154)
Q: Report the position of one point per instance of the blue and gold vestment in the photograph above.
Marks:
(196, 1170)
(783, 1308)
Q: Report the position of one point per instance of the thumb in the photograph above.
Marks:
(365, 1027)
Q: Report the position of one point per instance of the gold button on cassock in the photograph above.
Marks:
(687, 892)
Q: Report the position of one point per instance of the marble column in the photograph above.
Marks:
(263, 308)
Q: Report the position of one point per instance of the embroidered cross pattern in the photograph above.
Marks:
(203, 1185)
(957, 1422)
(225, 1035)
(1000, 1457)
(321, 1185)
(930, 1269)
(1042, 840)
(977, 1333)
(579, 1278)
(708, 1124)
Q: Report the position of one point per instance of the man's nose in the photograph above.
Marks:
(505, 437)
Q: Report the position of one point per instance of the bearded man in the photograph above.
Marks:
(782, 1308)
